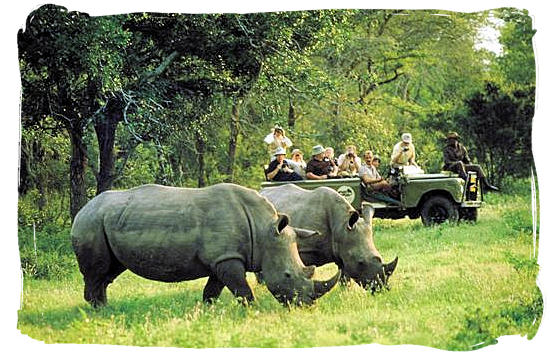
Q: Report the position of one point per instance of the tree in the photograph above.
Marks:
(517, 62)
(498, 128)
(65, 63)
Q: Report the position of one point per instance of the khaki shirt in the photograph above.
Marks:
(405, 158)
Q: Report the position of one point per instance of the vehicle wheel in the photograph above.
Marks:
(437, 210)
(468, 214)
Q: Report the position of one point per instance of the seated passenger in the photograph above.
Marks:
(297, 162)
(278, 169)
(457, 160)
(348, 162)
(329, 156)
(376, 161)
(318, 168)
(370, 175)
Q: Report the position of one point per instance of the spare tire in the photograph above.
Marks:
(437, 210)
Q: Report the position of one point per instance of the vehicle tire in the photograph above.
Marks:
(468, 214)
(437, 210)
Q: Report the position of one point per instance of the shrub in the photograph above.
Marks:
(53, 256)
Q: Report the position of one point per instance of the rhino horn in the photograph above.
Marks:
(304, 233)
(322, 287)
(389, 268)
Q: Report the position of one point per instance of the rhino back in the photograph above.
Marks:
(311, 209)
(173, 234)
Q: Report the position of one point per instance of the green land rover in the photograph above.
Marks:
(435, 198)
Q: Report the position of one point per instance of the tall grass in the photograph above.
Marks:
(457, 287)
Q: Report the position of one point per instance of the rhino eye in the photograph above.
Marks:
(287, 274)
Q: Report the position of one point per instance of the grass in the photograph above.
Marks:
(456, 287)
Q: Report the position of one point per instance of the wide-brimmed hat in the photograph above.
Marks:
(407, 138)
(296, 151)
(280, 151)
(317, 149)
(453, 135)
(278, 127)
(376, 157)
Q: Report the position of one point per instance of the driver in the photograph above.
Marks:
(370, 175)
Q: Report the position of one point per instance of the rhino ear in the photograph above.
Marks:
(304, 233)
(353, 218)
(282, 222)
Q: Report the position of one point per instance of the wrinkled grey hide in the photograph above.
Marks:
(345, 238)
(175, 234)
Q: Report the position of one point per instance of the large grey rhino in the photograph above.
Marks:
(175, 234)
(346, 238)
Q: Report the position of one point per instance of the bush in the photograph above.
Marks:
(53, 257)
(46, 265)
(481, 328)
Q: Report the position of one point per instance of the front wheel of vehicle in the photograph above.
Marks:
(437, 210)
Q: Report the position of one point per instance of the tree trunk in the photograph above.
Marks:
(79, 162)
(201, 148)
(105, 129)
(291, 113)
(233, 136)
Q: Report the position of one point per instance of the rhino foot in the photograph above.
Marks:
(232, 273)
(95, 284)
(212, 290)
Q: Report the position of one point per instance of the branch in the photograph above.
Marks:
(152, 75)
(376, 84)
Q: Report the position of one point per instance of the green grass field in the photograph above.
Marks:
(456, 287)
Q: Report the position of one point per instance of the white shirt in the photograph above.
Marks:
(370, 171)
(342, 157)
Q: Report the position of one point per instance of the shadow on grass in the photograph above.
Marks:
(133, 309)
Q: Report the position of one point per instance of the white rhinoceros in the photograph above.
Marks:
(346, 238)
(175, 234)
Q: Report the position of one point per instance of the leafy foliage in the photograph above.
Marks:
(186, 99)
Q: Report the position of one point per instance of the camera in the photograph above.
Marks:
(350, 154)
(405, 148)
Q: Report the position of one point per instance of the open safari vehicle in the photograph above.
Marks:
(435, 198)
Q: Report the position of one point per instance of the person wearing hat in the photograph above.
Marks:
(403, 153)
(297, 162)
(456, 159)
(318, 167)
(277, 138)
(279, 170)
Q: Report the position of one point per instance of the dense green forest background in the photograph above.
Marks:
(186, 100)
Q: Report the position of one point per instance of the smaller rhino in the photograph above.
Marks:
(175, 234)
(345, 238)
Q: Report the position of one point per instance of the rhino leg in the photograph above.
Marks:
(213, 289)
(232, 274)
(96, 282)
